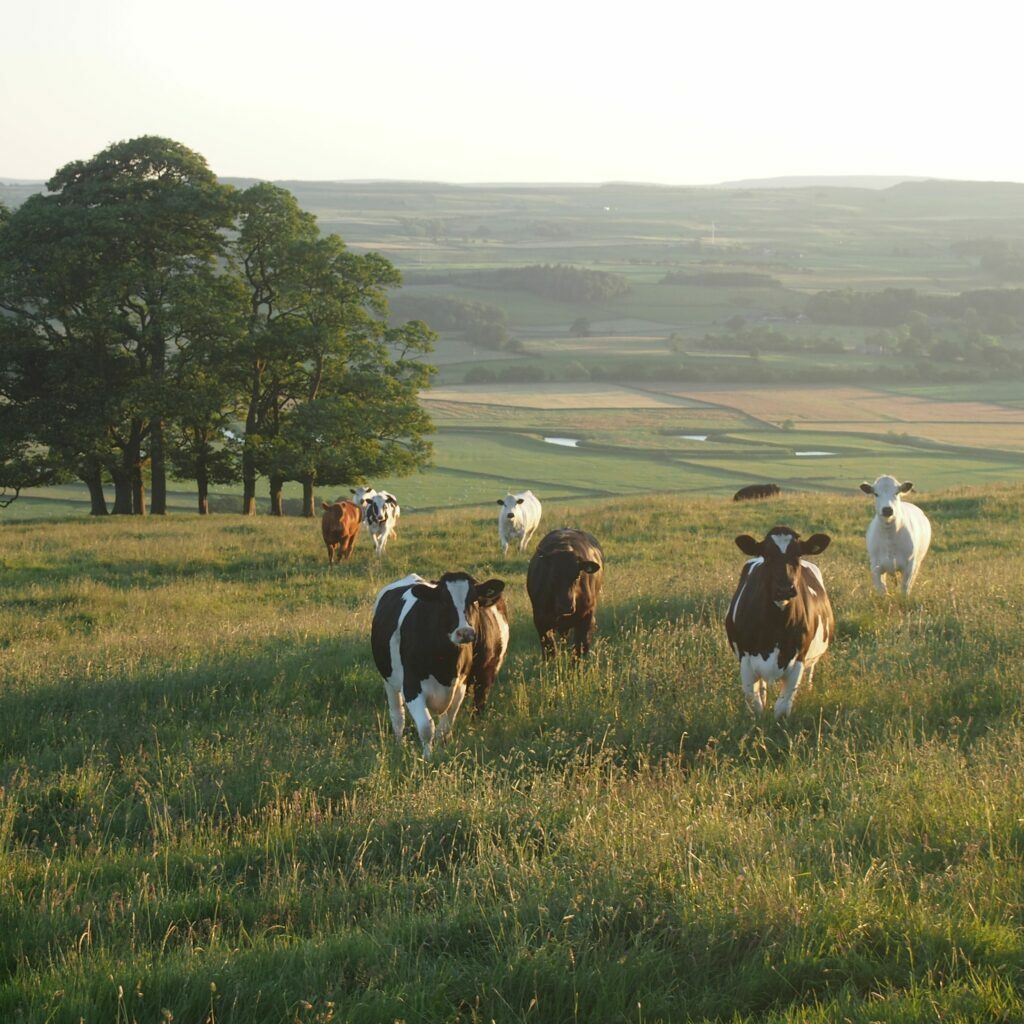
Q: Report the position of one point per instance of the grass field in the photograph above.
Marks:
(203, 817)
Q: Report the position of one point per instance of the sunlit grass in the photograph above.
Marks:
(204, 815)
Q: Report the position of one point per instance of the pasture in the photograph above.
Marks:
(204, 816)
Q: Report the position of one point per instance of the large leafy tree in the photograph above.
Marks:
(331, 390)
(101, 273)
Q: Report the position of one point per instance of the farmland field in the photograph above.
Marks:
(203, 816)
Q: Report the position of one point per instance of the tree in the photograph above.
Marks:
(101, 272)
(580, 327)
(316, 346)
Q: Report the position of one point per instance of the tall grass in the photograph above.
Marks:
(204, 816)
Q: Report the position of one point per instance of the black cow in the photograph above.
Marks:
(753, 491)
(430, 640)
(563, 580)
(780, 621)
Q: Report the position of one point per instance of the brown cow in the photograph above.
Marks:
(340, 526)
(563, 580)
(754, 491)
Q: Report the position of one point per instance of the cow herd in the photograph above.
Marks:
(433, 640)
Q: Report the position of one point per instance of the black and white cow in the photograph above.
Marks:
(432, 640)
(380, 513)
(780, 621)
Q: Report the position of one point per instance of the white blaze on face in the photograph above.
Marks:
(782, 540)
(458, 590)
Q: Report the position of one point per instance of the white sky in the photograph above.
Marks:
(540, 90)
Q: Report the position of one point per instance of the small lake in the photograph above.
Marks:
(693, 437)
(565, 442)
(814, 454)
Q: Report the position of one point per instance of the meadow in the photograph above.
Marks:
(204, 817)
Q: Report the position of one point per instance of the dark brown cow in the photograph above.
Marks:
(563, 580)
(755, 491)
(340, 527)
(780, 620)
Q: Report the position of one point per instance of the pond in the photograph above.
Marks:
(565, 442)
(813, 453)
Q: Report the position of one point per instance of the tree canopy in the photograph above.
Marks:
(153, 318)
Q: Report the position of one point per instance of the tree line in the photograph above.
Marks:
(156, 323)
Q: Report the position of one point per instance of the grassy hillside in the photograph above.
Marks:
(204, 818)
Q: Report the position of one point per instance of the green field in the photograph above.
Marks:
(203, 816)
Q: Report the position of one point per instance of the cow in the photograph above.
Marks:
(340, 527)
(780, 621)
(432, 639)
(899, 534)
(518, 520)
(380, 513)
(753, 491)
(564, 580)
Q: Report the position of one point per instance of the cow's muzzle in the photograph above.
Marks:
(887, 513)
(464, 635)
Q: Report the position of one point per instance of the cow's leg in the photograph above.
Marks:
(396, 707)
(504, 542)
(582, 632)
(483, 680)
(790, 684)
(447, 721)
(547, 639)
(909, 572)
(752, 686)
(876, 577)
(424, 723)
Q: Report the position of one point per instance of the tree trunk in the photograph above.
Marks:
(133, 464)
(276, 496)
(138, 491)
(93, 479)
(157, 469)
(308, 505)
(122, 491)
(203, 487)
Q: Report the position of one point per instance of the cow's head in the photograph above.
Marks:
(378, 508)
(564, 569)
(887, 492)
(361, 495)
(782, 550)
(460, 598)
(510, 505)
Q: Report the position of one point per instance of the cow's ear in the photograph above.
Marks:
(748, 545)
(519, 501)
(590, 567)
(323, 504)
(867, 488)
(424, 592)
(815, 544)
(488, 592)
(390, 500)
(500, 501)
(906, 486)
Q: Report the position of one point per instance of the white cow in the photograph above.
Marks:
(898, 536)
(380, 514)
(518, 519)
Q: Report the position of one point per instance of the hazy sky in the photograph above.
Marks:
(538, 90)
